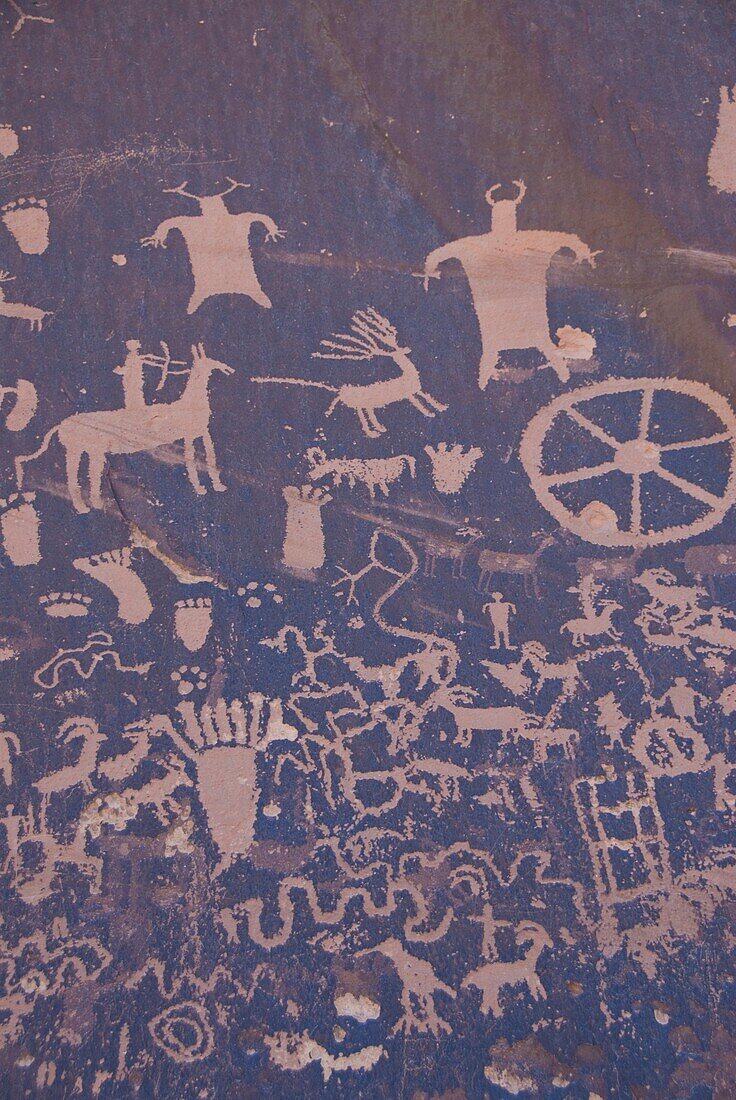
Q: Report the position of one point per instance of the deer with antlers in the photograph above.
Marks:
(218, 245)
(371, 336)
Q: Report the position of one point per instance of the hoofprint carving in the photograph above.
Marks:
(372, 336)
(97, 435)
(218, 246)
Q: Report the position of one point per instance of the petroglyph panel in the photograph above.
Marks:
(367, 549)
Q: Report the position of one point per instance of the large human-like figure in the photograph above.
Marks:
(218, 245)
(507, 271)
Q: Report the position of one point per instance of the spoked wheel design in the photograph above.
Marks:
(641, 459)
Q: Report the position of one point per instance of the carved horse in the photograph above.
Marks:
(128, 431)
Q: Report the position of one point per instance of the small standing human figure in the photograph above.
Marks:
(500, 611)
(133, 372)
(683, 700)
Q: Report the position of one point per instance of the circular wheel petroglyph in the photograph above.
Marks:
(638, 458)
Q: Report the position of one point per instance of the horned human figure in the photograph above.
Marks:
(218, 246)
(507, 271)
(130, 430)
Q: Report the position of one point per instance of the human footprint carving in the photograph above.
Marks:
(8, 140)
(113, 569)
(452, 465)
(19, 525)
(27, 221)
(193, 621)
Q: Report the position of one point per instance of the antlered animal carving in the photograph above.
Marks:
(372, 336)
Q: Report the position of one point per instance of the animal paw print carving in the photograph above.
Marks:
(189, 678)
(257, 594)
(27, 221)
(192, 621)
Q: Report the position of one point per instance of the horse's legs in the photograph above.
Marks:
(432, 401)
(369, 431)
(374, 422)
(97, 461)
(73, 462)
(209, 451)
(191, 465)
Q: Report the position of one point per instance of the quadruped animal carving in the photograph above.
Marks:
(97, 435)
(507, 271)
(494, 976)
(495, 563)
(32, 314)
(218, 246)
(374, 473)
(371, 336)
